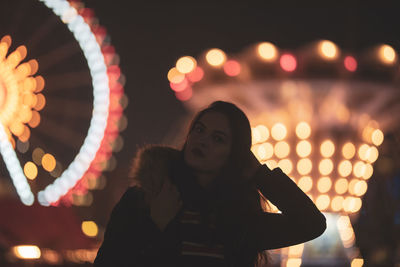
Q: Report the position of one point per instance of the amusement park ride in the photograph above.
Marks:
(61, 112)
(318, 113)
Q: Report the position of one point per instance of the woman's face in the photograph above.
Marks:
(208, 145)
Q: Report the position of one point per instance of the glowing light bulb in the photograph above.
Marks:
(360, 188)
(288, 62)
(324, 184)
(348, 150)
(328, 50)
(232, 68)
(350, 63)
(325, 166)
(48, 162)
(303, 130)
(323, 202)
(265, 151)
(90, 228)
(216, 57)
(341, 186)
(363, 151)
(337, 203)
(345, 168)
(286, 165)
(305, 183)
(304, 166)
(263, 132)
(267, 51)
(278, 131)
(174, 76)
(282, 149)
(27, 252)
(377, 137)
(30, 170)
(368, 171)
(303, 148)
(359, 169)
(186, 64)
(387, 54)
(327, 148)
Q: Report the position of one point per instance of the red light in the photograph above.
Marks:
(178, 87)
(196, 75)
(185, 94)
(288, 62)
(350, 63)
(232, 68)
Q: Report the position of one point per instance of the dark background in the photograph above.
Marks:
(151, 36)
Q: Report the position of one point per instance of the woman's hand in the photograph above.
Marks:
(252, 166)
(165, 205)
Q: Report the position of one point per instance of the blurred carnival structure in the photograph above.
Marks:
(61, 114)
(320, 114)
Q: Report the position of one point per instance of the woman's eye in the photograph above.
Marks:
(218, 139)
(198, 129)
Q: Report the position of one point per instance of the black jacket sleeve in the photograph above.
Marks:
(130, 233)
(300, 220)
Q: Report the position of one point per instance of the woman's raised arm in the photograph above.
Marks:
(300, 220)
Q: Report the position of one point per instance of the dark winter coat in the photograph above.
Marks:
(224, 226)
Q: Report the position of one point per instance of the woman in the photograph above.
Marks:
(201, 206)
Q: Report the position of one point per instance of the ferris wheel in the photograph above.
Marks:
(61, 100)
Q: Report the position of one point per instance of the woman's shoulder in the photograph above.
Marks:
(150, 156)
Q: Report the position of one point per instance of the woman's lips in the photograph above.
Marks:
(197, 152)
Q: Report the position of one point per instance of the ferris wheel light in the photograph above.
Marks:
(98, 69)
(14, 168)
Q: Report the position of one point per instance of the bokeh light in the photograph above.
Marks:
(278, 131)
(27, 252)
(303, 130)
(288, 62)
(328, 50)
(327, 148)
(304, 166)
(323, 202)
(186, 64)
(387, 54)
(267, 51)
(325, 166)
(216, 57)
(305, 183)
(90, 228)
(348, 150)
(303, 148)
(324, 184)
(232, 68)
(48, 162)
(282, 149)
(341, 186)
(350, 63)
(30, 170)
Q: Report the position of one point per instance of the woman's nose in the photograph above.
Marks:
(204, 141)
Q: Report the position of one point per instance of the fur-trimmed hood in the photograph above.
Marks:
(151, 166)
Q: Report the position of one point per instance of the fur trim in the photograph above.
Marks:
(151, 166)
